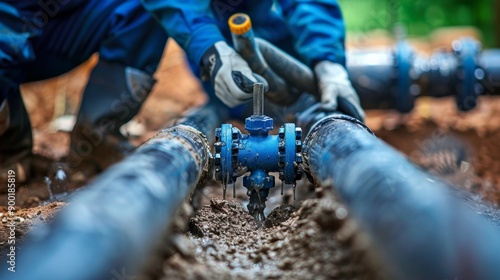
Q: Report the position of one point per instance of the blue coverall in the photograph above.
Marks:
(40, 39)
(45, 38)
(310, 30)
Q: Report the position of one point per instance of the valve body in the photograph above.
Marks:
(258, 153)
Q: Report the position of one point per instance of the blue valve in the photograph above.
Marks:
(258, 153)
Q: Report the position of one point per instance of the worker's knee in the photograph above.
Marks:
(135, 38)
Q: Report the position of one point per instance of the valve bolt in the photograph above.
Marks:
(281, 132)
(298, 133)
(298, 146)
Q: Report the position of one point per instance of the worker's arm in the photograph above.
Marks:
(318, 29)
(15, 48)
(189, 22)
(319, 32)
(193, 27)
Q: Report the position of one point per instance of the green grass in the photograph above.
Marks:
(419, 17)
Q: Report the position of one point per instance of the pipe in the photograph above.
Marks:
(290, 69)
(372, 76)
(112, 225)
(394, 78)
(489, 60)
(244, 42)
(417, 228)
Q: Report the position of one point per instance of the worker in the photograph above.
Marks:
(312, 31)
(41, 39)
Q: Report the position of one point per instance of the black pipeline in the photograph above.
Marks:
(109, 229)
(419, 229)
(384, 79)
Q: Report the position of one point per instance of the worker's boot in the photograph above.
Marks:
(15, 135)
(113, 96)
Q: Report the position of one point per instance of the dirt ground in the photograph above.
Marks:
(313, 238)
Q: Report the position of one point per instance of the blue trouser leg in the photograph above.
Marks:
(16, 138)
(133, 40)
(118, 86)
(15, 49)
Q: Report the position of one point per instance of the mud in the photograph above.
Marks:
(436, 130)
(25, 220)
(225, 242)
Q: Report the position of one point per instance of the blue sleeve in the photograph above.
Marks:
(189, 22)
(318, 29)
(15, 48)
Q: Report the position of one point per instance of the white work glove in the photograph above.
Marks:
(231, 76)
(336, 90)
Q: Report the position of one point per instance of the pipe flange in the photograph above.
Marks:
(312, 134)
(469, 73)
(226, 153)
(298, 153)
(403, 62)
(191, 136)
(281, 153)
(217, 157)
(289, 156)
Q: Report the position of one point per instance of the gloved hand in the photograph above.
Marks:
(231, 76)
(336, 90)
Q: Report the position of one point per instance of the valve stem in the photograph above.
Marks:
(258, 99)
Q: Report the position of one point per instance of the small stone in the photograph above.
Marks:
(218, 205)
(19, 233)
(184, 246)
(286, 264)
(265, 248)
(4, 219)
(38, 212)
(231, 250)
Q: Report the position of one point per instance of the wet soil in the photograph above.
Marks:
(25, 220)
(436, 132)
(314, 242)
